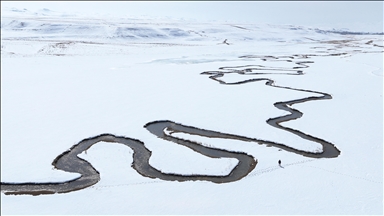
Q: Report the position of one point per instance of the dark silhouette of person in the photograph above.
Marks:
(279, 162)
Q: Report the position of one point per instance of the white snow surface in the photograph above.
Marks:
(65, 78)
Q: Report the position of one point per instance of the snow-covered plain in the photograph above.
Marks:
(66, 78)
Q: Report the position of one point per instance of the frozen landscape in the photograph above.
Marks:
(144, 115)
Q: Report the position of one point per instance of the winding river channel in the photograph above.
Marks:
(69, 161)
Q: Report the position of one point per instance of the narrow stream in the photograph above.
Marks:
(70, 162)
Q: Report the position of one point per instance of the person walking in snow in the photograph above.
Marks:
(279, 162)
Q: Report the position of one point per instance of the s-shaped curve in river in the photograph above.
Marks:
(329, 149)
(69, 161)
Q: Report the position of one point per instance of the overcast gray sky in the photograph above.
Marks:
(284, 12)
